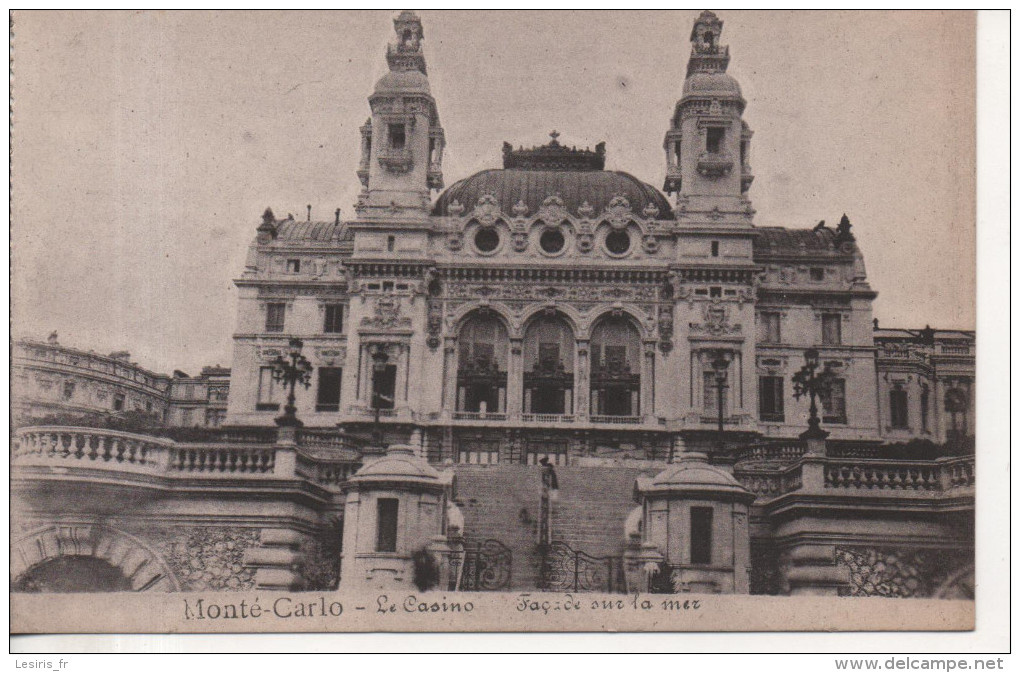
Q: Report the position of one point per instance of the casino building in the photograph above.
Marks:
(644, 345)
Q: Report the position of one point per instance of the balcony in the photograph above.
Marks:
(714, 164)
(396, 160)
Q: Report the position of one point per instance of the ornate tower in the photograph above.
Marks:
(402, 142)
(708, 144)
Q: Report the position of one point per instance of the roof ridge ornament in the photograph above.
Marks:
(555, 157)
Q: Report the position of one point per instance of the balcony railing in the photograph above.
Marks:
(547, 418)
(615, 420)
(478, 416)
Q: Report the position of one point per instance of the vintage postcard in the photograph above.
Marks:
(493, 321)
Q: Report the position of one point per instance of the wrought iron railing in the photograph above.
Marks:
(567, 569)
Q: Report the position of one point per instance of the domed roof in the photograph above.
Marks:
(711, 84)
(693, 474)
(403, 81)
(575, 187)
(400, 464)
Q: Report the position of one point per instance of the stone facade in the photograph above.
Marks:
(548, 313)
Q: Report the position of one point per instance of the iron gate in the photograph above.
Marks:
(564, 569)
(486, 566)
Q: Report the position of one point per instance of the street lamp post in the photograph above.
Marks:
(720, 363)
(379, 362)
(290, 372)
(807, 382)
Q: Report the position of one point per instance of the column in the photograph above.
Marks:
(647, 400)
(449, 377)
(515, 378)
(582, 385)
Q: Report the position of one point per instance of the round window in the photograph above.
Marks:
(618, 242)
(486, 239)
(551, 241)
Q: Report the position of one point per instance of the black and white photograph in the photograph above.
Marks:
(494, 321)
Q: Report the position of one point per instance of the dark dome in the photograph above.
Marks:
(533, 187)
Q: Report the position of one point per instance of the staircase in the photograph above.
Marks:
(502, 502)
(592, 507)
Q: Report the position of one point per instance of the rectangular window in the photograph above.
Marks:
(479, 452)
(397, 137)
(386, 524)
(770, 331)
(275, 317)
(214, 417)
(714, 292)
(334, 323)
(68, 389)
(834, 403)
(328, 396)
(391, 243)
(385, 386)
(267, 395)
(832, 329)
(770, 399)
(714, 139)
(186, 417)
(293, 265)
(715, 248)
(701, 535)
(118, 402)
(189, 392)
(387, 286)
(898, 408)
(712, 395)
(817, 273)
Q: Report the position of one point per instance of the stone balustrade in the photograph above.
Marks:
(115, 451)
(817, 474)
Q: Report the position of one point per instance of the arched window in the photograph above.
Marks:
(481, 366)
(549, 367)
(615, 368)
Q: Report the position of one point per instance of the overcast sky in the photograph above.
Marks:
(146, 145)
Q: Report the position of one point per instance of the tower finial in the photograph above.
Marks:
(407, 53)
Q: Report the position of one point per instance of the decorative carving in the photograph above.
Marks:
(520, 241)
(903, 573)
(651, 211)
(331, 355)
(387, 315)
(435, 324)
(665, 328)
(208, 558)
(650, 244)
(716, 321)
(455, 242)
(585, 242)
(552, 210)
(520, 208)
(585, 210)
(618, 212)
(486, 211)
(455, 208)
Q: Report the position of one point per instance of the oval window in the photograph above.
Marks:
(486, 239)
(618, 242)
(551, 241)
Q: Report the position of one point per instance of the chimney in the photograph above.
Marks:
(309, 212)
(337, 216)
